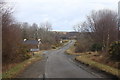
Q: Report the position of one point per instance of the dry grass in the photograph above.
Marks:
(12, 72)
(93, 59)
(99, 66)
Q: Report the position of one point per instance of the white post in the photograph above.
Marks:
(39, 42)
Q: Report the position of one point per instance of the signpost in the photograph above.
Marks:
(34, 50)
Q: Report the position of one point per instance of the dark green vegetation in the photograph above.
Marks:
(114, 50)
(96, 47)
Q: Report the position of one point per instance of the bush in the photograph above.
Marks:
(75, 43)
(83, 43)
(80, 47)
(45, 46)
(53, 47)
(114, 50)
(96, 47)
(27, 56)
(65, 41)
(23, 53)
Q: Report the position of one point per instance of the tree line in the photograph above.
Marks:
(42, 31)
(98, 32)
(13, 34)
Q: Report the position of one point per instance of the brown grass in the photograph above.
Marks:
(99, 66)
(96, 60)
(17, 68)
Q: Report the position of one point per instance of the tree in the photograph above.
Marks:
(11, 37)
(84, 40)
(46, 34)
(34, 31)
(101, 26)
(25, 28)
(43, 32)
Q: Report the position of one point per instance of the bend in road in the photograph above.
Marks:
(59, 66)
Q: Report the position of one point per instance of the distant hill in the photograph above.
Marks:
(67, 35)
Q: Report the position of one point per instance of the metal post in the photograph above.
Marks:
(118, 20)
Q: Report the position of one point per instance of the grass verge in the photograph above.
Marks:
(14, 71)
(99, 66)
(84, 58)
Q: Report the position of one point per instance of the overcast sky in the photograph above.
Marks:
(62, 14)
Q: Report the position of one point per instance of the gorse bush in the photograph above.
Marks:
(27, 56)
(24, 52)
(96, 47)
(114, 50)
(53, 47)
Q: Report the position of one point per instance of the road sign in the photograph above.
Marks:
(33, 50)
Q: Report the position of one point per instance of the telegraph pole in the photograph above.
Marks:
(118, 20)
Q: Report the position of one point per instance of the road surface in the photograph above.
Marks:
(57, 65)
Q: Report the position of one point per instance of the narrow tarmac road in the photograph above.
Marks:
(59, 66)
(56, 65)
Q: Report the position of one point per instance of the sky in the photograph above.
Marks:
(62, 14)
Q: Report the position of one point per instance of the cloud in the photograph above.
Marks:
(63, 14)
